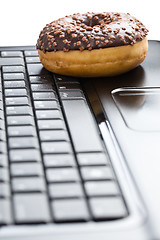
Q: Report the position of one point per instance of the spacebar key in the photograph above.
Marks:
(82, 126)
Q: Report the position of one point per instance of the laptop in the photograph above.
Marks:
(79, 157)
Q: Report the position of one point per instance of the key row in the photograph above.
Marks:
(57, 160)
(70, 174)
(15, 58)
(102, 208)
(61, 169)
(59, 190)
(12, 54)
(19, 90)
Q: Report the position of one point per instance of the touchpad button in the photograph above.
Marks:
(139, 107)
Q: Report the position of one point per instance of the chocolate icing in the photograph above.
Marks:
(91, 31)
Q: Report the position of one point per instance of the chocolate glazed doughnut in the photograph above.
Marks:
(93, 44)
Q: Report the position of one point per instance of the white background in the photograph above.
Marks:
(21, 21)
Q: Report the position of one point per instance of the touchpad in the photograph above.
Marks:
(139, 107)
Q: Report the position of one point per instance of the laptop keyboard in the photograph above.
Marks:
(53, 164)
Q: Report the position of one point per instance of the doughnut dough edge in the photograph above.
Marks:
(100, 62)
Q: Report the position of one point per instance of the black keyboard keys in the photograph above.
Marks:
(65, 190)
(13, 69)
(11, 54)
(31, 208)
(107, 208)
(36, 69)
(83, 129)
(96, 173)
(27, 131)
(23, 142)
(18, 101)
(57, 169)
(26, 169)
(5, 211)
(28, 184)
(62, 175)
(101, 188)
(13, 76)
(4, 190)
(18, 110)
(59, 160)
(20, 120)
(5, 61)
(70, 210)
(24, 155)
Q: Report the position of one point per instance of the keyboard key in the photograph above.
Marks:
(59, 160)
(70, 210)
(11, 61)
(3, 160)
(20, 120)
(5, 211)
(4, 190)
(13, 76)
(1, 96)
(39, 105)
(32, 184)
(51, 124)
(62, 175)
(1, 105)
(11, 54)
(44, 96)
(2, 126)
(56, 147)
(25, 110)
(3, 147)
(96, 173)
(11, 69)
(41, 87)
(20, 101)
(83, 129)
(4, 175)
(92, 159)
(23, 142)
(65, 95)
(48, 114)
(31, 208)
(36, 69)
(102, 188)
(19, 131)
(26, 169)
(41, 79)
(31, 53)
(1, 108)
(53, 135)
(1, 114)
(25, 155)
(32, 60)
(69, 86)
(65, 79)
(107, 208)
(14, 84)
(65, 190)
(15, 92)
(2, 135)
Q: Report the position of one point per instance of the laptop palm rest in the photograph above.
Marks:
(131, 104)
